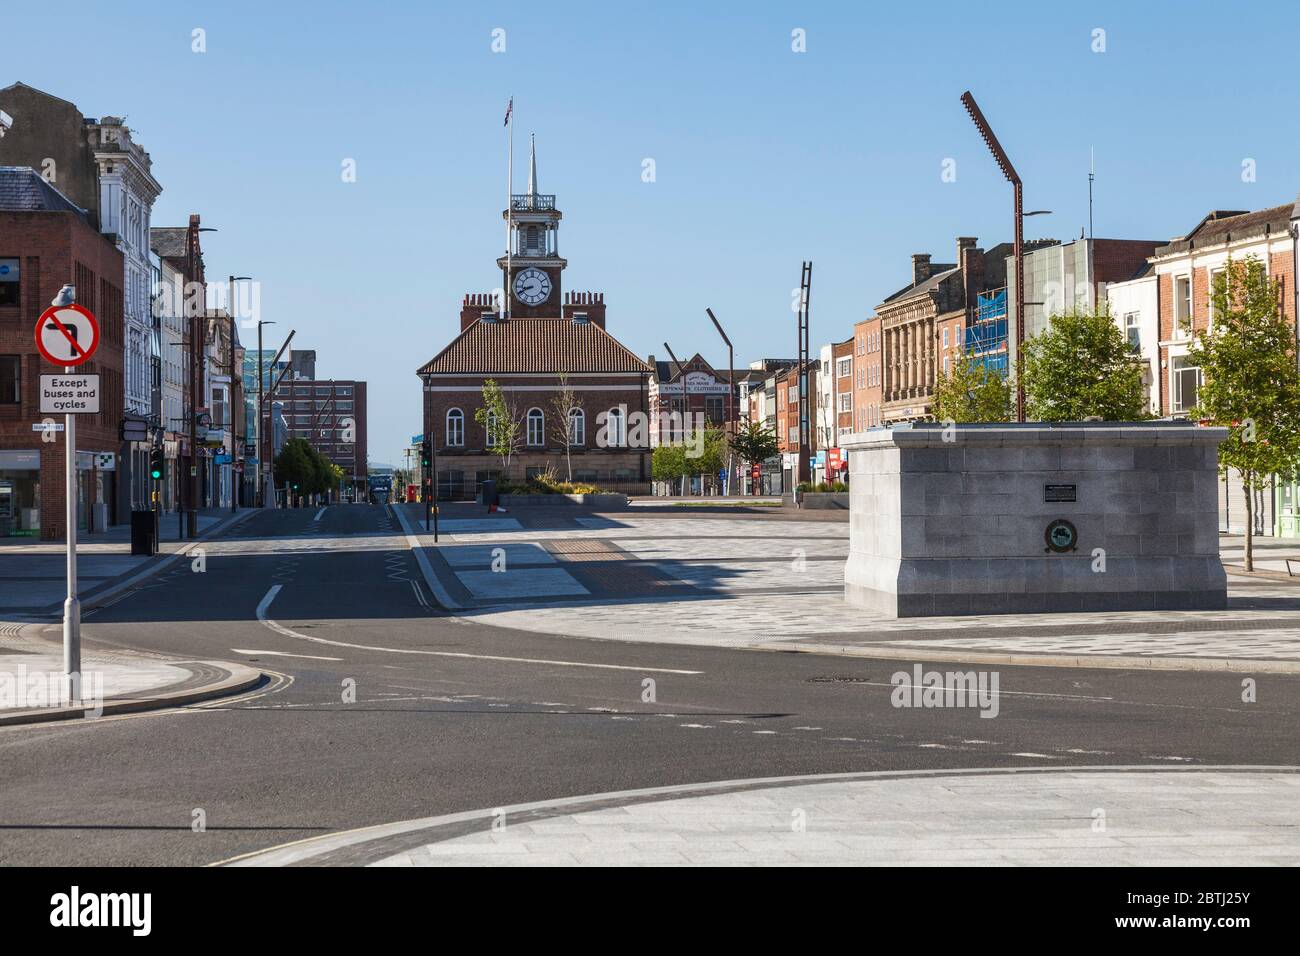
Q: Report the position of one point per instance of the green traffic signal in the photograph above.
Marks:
(156, 464)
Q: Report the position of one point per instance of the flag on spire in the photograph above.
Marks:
(509, 109)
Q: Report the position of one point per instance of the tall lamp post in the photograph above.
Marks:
(1009, 171)
(731, 395)
(197, 328)
(230, 314)
(259, 493)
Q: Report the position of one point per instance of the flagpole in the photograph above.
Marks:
(510, 182)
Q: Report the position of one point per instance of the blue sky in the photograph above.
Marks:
(763, 156)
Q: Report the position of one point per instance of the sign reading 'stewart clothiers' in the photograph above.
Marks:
(69, 394)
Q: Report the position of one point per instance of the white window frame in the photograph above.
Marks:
(536, 417)
(454, 434)
(577, 427)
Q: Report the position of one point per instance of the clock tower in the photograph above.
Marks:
(532, 268)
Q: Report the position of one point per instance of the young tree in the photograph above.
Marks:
(754, 443)
(564, 404)
(972, 393)
(668, 463)
(1082, 367)
(295, 467)
(500, 422)
(1251, 383)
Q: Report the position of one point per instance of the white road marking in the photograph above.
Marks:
(1001, 693)
(419, 595)
(439, 592)
(265, 605)
(318, 514)
(310, 657)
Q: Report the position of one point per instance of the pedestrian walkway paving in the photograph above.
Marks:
(1130, 816)
(33, 574)
(33, 686)
(777, 583)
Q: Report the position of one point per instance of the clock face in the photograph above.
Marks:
(532, 286)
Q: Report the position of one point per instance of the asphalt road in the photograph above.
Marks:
(452, 717)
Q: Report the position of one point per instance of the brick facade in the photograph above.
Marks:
(55, 248)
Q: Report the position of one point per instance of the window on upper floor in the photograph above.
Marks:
(455, 428)
(1133, 331)
(844, 368)
(9, 282)
(1182, 305)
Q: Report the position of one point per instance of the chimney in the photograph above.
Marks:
(920, 267)
(971, 261)
(964, 243)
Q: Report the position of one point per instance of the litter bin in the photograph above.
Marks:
(144, 532)
(488, 493)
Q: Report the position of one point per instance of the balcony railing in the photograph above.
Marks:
(526, 203)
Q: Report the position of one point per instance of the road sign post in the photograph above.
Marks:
(68, 335)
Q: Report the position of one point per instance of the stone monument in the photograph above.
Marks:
(1034, 517)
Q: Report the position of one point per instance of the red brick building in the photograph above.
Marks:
(868, 377)
(45, 242)
(546, 340)
(694, 394)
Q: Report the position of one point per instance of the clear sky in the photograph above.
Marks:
(763, 156)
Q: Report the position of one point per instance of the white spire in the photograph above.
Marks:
(532, 164)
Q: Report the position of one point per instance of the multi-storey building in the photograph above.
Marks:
(694, 395)
(1185, 269)
(46, 240)
(182, 299)
(1068, 276)
(844, 373)
(912, 320)
(97, 164)
(868, 373)
(330, 414)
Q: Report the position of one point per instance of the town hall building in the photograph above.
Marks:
(543, 340)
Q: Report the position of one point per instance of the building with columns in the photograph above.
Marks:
(939, 295)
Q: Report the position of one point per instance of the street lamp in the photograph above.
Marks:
(259, 494)
(230, 314)
(198, 346)
(1018, 189)
(731, 393)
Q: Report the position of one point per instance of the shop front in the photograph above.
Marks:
(20, 493)
(1287, 513)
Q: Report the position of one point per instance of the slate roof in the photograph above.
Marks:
(168, 242)
(22, 189)
(940, 272)
(533, 345)
(1221, 226)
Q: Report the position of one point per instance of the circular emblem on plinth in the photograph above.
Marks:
(1061, 536)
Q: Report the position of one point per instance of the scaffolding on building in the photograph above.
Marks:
(986, 336)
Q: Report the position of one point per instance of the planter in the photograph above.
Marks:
(823, 500)
(600, 502)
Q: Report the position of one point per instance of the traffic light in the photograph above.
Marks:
(156, 464)
(426, 454)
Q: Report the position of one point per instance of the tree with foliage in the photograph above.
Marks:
(972, 392)
(500, 422)
(1082, 367)
(1251, 381)
(754, 443)
(668, 463)
(295, 467)
(565, 403)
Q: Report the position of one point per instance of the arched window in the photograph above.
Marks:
(455, 428)
(536, 427)
(491, 431)
(616, 428)
(577, 427)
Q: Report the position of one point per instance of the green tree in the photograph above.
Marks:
(1082, 367)
(295, 466)
(754, 443)
(972, 393)
(500, 423)
(1251, 382)
(668, 463)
